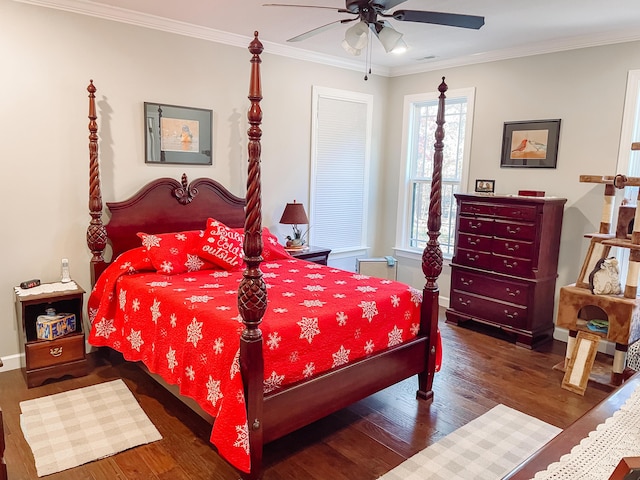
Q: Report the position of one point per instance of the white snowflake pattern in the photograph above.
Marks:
(135, 305)
(240, 396)
(235, 366)
(122, 298)
(288, 294)
(213, 391)
(150, 241)
(308, 328)
(273, 382)
(194, 332)
(341, 318)
(313, 303)
(212, 285)
(407, 315)
(315, 288)
(340, 282)
(181, 236)
(274, 340)
(159, 284)
(309, 369)
(314, 276)
(357, 276)
(395, 300)
(193, 263)
(190, 373)
(171, 359)
(135, 339)
(366, 289)
(270, 265)
(369, 309)
(219, 274)
(368, 347)
(92, 314)
(339, 295)
(341, 356)
(313, 266)
(280, 310)
(104, 328)
(294, 357)
(218, 346)
(288, 280)
(223, 308)
(395, 336)
(166, 267)
(173, 320)
(416, 296)
(415, 329)
(386, 282)
(203, 358)
(155, 311)
(127, 266)
(189, 279)
(174, 251)
(199, 298)
(242, 440)
(269, 275)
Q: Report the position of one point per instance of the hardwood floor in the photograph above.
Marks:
(361, 442)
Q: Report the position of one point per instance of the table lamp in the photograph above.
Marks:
(295, 215)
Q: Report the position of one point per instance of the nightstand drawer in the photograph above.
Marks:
(48, 353)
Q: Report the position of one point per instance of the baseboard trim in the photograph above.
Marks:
(12, 362)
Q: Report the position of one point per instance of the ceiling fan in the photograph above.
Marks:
(372, 14)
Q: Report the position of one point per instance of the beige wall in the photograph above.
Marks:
(48, 57)
(584, 88)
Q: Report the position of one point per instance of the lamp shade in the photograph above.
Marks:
(355, 38)
(389, 38)
(294, 214)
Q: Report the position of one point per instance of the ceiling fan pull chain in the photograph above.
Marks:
(367, 65)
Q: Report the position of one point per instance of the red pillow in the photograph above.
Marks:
(222, 245)
(272, 249)
(172, 253)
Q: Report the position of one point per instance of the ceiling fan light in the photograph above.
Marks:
(356, 36)
(400, 48)
(389, 38)
(349, 49)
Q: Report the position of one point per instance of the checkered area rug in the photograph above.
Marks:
(76, 427)
(486, 448)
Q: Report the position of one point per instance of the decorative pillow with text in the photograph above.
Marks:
(222, 245)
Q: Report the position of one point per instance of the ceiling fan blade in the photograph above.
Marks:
(339, 10)
(389, 4)
(438, 18)
(317, 30)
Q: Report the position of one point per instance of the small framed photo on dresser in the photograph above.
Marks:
(485, 186)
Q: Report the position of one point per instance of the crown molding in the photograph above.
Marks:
(122, 15)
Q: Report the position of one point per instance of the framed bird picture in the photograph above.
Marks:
(532, 143)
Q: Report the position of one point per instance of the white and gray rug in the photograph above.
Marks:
(486, 448)
(76, 427)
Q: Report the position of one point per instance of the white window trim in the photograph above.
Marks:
(337, 94)
(404, 201)
(628, 121)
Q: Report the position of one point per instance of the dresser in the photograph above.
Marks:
(505, 264)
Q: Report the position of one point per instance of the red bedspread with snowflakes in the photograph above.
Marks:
(186, 328)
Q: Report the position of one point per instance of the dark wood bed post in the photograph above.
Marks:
(432, 255)
(252, 292)
(96, 232)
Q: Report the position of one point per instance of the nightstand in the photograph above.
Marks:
(65, 355)
(312, 254)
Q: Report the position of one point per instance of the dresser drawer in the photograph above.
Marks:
(48, 353)
(483, 284)
(476, 226)
(519, 267)
(489, 309)
(516, 212)
(514, 230)
(478, 243)
(472, 258)
(473, 208)
(513, 248)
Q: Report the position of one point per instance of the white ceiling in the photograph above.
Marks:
(512, 27)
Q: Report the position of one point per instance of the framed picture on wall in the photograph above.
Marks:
(530, 144)
(176, 134)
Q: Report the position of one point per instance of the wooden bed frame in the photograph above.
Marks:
(166, 205)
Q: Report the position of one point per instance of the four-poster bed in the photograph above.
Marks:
(169, 211)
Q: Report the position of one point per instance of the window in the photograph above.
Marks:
(341, 126)
(419, 128)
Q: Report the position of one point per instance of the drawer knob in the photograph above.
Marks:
(473, 242)
(510, 265)
(472, 258)
(512, 294)
(55, 351)
(510, 315)
(466, 283)
(511, 248)
(464, 303)
(513, 230)
(475, 226)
